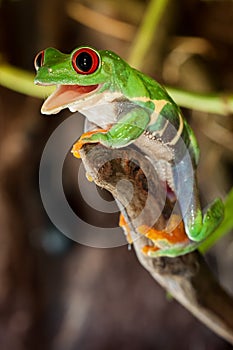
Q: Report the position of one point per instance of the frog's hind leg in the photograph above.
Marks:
(198, 231)
(197, 226)
(172, 252)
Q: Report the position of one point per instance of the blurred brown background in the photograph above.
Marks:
(54, 293)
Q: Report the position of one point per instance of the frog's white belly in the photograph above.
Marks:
(100, 110)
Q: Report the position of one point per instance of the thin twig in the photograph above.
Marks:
(147, 30)
(100, 22)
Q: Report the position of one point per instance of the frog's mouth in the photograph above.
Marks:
(67, 96)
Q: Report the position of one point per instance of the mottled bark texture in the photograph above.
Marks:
(187, 278)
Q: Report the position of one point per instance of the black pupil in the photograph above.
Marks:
(84, 61)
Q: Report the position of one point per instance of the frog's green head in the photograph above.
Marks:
(78, 76)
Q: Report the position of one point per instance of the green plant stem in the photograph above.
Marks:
(22, 81)
(145, 34)
(219, 103)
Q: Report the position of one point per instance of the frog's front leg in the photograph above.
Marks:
(87, 137)
(126, 130)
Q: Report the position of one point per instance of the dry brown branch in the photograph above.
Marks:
(187, 277)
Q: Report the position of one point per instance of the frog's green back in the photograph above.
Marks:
(157, 93)
(145, 91)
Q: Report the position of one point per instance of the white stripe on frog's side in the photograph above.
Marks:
(179, 132)
(160, 132)
(159, 105)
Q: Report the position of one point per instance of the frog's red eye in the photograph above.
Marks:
(39, 60)
(85, 61)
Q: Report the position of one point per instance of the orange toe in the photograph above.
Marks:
(176, 235)
(125, 226)
(147, 248)
(122, 221)
(76, 148)
(83, 140)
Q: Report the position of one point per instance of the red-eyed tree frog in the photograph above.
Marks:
(128, 107)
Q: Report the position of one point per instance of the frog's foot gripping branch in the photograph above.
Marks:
(171, 241)
(88, 137)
